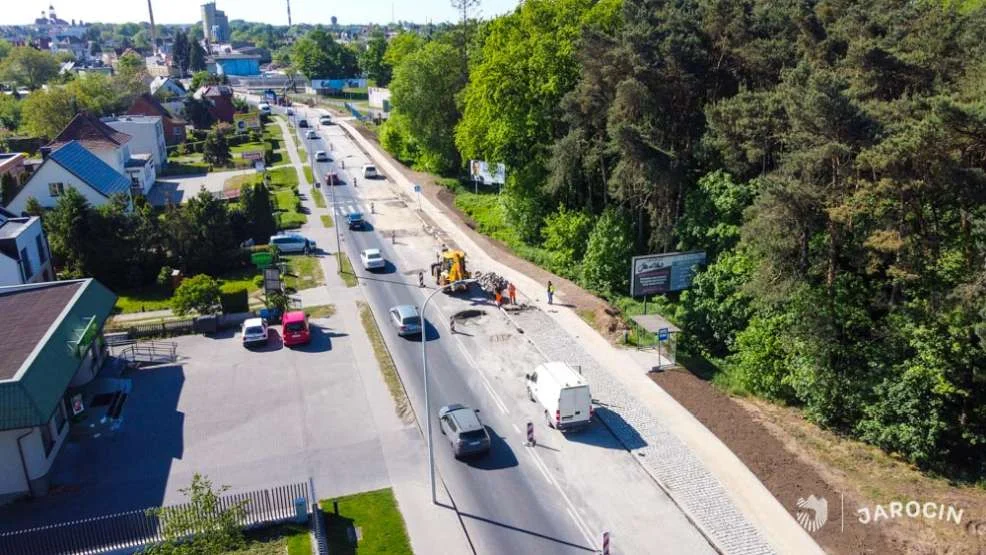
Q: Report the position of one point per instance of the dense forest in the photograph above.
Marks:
(829, 157)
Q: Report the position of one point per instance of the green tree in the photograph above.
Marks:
(29, 67)
(8, 188)
(5, 48)
(130, 64)
(10, 112)
(68, 227)
(606, 265)
(200, 293)
(203, 525)
(180, 53)
(46, 113)
(215, 150)
(255, 204)
(196, 56)
(566, 234)
(199, 235)
(371, 59)
(318, 56)
(400, 46)
(423, 93)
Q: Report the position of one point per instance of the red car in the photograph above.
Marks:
(295, 329)
(332, 178)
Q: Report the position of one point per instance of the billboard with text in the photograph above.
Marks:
(482, 172)
(654, 274)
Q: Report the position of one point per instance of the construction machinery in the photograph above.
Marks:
(451, 268)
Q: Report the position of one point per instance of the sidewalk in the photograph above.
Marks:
(711, 485)
(432, 529)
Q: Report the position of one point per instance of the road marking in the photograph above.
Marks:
(498, 402)
(580, 524)
(517, 428)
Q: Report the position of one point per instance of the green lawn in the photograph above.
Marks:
(283, 177)
(386, 362)
(239, 279)
(320, 311)
(302, 153)
(303, 272)
(140, 300)
(237, 181)
(346, 270)
(318, 198)
(183, 167)
(326, 220)
(278, 540)
(309, 177)
(375, 513)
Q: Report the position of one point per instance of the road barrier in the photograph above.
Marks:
(530, 434)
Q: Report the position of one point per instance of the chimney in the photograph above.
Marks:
(45, 151)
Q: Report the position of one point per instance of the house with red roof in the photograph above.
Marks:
(220, 100)
(174, 126)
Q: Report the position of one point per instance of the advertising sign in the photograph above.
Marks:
(479, 170)
(246, 121)
(662, 273)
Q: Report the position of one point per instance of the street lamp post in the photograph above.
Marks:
(424, 363)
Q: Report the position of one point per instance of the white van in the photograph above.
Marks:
(264, 108)
(563, 393)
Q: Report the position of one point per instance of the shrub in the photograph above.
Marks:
(258, 281)
(200, 293)
(237, 301)
(606, 266)
(164, 277)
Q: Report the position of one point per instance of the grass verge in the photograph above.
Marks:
(346, 271)
(320, 310)
(303, 272)
(401, 403)
(376, 514)
(319, 198)
(326, 220)
(309, 176)
(277, 540)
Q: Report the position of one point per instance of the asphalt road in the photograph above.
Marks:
(503, 499)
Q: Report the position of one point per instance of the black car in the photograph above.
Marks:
(303, 123)
(355, 220)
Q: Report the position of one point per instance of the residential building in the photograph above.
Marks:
(163, 87)
(147, 136)
(71, 166)
(237, 64)
(174, 126)
(51, 346)
(12, 163)
(220, 99)
(24, 253)
(215, 24)
(110, 146)
(158, 66)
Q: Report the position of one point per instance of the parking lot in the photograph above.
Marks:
(248, 419)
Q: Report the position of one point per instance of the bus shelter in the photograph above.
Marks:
(662, 333)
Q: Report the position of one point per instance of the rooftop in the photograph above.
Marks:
(90, 169)
(12, 227)
(34, 310)
(88, 130)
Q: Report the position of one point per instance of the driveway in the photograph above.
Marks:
(176, 190)
(249, 419)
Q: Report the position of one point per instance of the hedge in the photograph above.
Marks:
(237, 301)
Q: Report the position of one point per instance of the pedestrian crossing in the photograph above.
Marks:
(348, 207)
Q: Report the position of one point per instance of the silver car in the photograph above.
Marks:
(406, 319)
(461, 425)
(372, 259)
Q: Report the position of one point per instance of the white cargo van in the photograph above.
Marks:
(563, 393)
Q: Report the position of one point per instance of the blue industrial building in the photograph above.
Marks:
(237, 64)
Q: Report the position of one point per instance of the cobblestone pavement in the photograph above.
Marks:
(659, 451)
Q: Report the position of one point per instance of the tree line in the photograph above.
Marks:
(829, 156)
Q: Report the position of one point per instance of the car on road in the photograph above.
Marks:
(254, 331)
(288, 243)
(370, 171)
(563, 394)
(461, 425)
(311, 135)
(289, 112)
(303, 123)
(355, 220)
(406, 319)
(322, 156)
(295, 328)
(325, 120)
(372, 259)
(332, 178)
(264, 108)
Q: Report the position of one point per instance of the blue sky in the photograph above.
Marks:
(268, 11)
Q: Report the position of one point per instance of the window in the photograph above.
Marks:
(177, 131)
(42, 251)
(59, 417)
(26, 262)
(46, 439)
(56, 189)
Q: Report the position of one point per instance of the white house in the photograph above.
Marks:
(24, 253)
(147, 136)
(71, 166)
(110, 146)
(167, 87)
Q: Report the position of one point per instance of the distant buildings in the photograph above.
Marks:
(24, 253)
(237, 65)
(215, 24)
(174, 126)
(220, 101)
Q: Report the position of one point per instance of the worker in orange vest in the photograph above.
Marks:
(512, 292)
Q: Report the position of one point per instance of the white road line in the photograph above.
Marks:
(582, 526)
(544, 471)
(498, 402)
(517, 428)
(578, 525)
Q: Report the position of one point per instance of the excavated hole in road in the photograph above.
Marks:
(470, 313)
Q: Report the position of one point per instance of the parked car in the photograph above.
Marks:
(406, 319)
(563, 393)
(355, 220)
(289, 111)
(370, 171)
(372, 259)
(311, 135)
(264, 108)
(322, 156)
(325, 120)
(303, 123)
(295, 328)
(292, 243)
(332, 178)
(254, 331)
(461, 425)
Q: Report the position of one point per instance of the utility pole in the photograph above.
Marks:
(150, 12)
(289, 13)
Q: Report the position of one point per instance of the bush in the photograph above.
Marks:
(237, 301)
(164, 277)
(200, 293)
(258, 281)
(606, 266)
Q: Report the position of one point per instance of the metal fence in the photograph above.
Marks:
(146, 351)
(155, 329)
(135, 529)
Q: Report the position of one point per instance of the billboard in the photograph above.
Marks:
(379, 98)
(662, 273)
(479, 170)
(250, 120)
(338, 84)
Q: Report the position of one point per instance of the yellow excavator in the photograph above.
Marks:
(451, 268)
